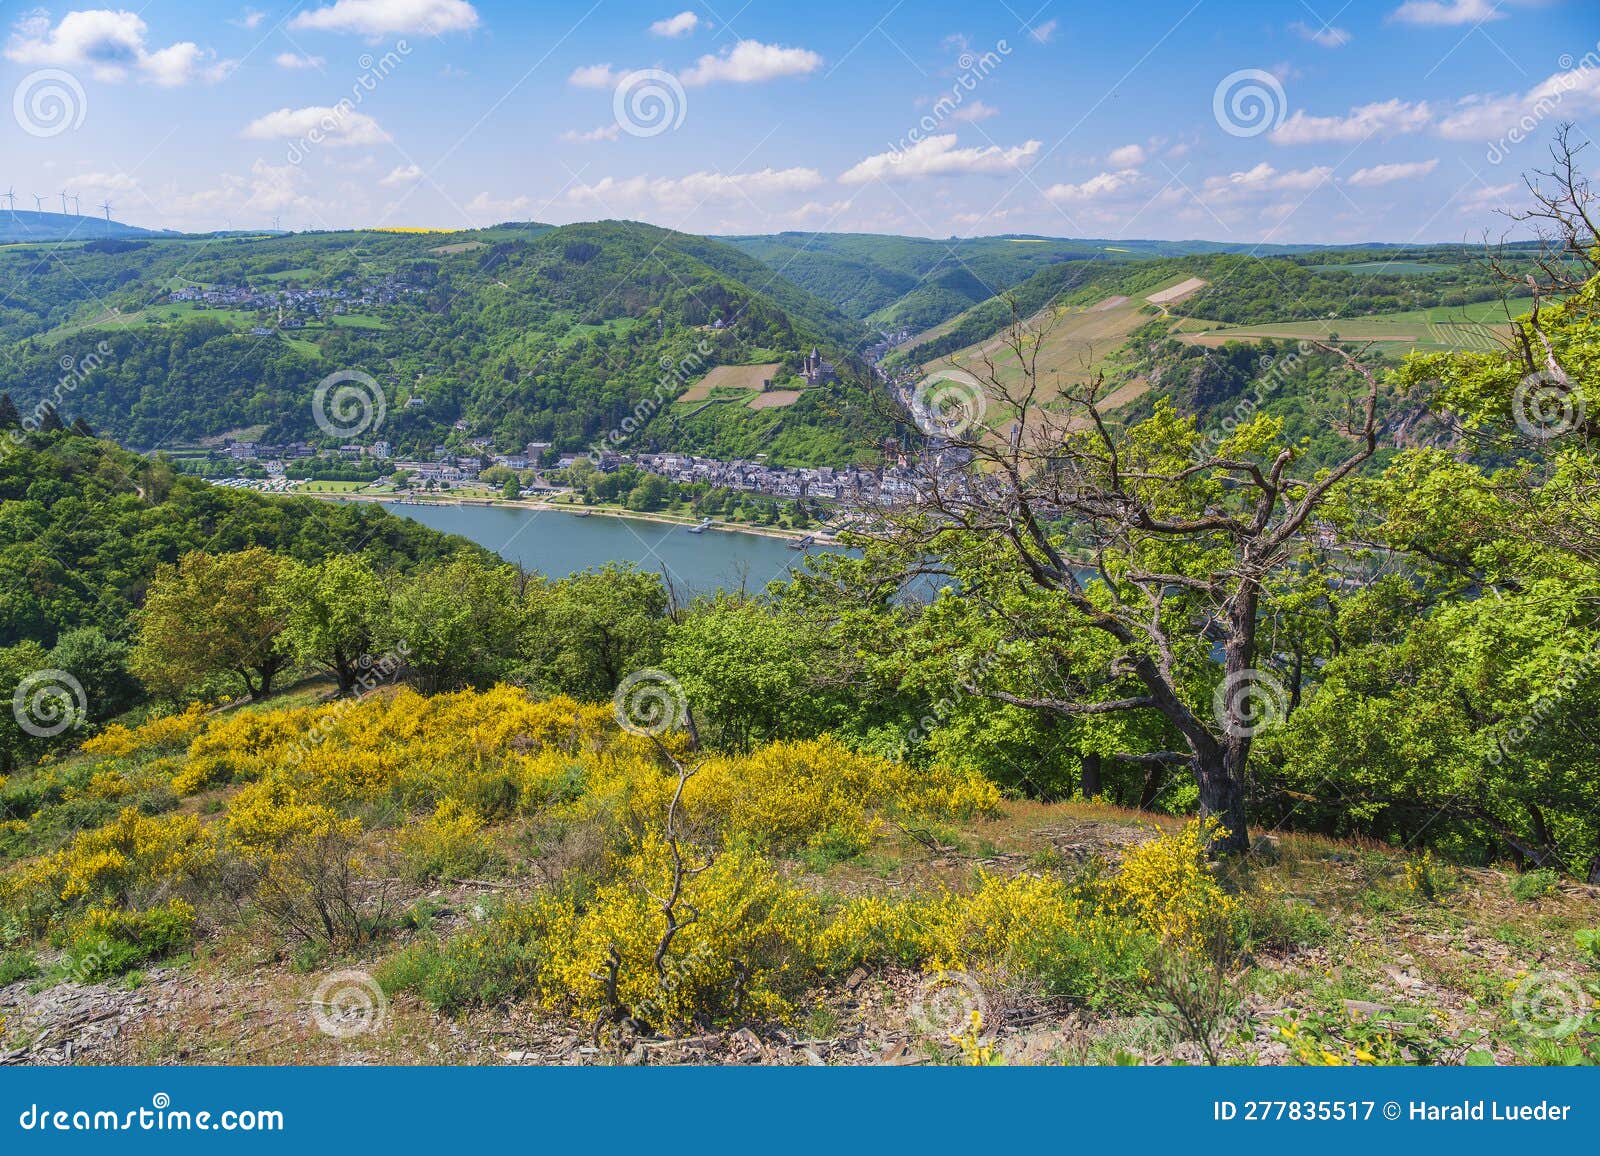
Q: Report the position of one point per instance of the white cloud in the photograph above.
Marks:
(375, 18)
(604, 132)
(1387, 174)
(688, 192)
(100, 184)
(680, 25)
(975, 111)
(501, 207)
(1102, 186)
(269, 189)
(1447, 12)
(1493, 198)
(594, 76)
(1380, 119)
(295, 62)
(1043, 32)
(111, 46)
(750, 61)
(1326, 35)
(329, 125)
(1129, 156)
(402, 175)
(939, 156)
(1264, 178)
(813, 212)
(250, 20)
(1486, 117)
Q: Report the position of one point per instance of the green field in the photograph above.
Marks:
(333, 487)
(1396, 267)
(1444, 327)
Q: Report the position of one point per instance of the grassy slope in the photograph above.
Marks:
(1355, 941)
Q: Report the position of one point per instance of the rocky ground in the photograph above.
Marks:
(1392, 959)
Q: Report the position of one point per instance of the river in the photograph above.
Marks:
(557, 543)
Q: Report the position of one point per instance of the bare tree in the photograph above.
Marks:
(1165, 552)
(1563, 219)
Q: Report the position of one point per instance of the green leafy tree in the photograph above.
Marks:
(750, 674)
(458, 624)
(212, 614)
(1132, 536)
(332, 612)
(587, 632)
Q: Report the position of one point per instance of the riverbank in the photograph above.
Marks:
(539, 505)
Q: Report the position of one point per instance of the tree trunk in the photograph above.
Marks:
(1089, 776)
(1220, 774)
(1220, 769)
(1155, 777)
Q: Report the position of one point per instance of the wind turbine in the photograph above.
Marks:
(63, 203)
(38, 203)
(77, 205)
(106, 205)
(11, 198)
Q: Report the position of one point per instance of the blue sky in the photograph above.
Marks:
(1220, 119)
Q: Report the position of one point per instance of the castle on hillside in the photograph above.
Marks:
(815, 370)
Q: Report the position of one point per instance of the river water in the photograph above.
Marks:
(557, 543)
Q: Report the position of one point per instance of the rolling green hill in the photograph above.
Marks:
(514, 333)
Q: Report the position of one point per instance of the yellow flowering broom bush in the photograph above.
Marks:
(295, 785)
(169, 731)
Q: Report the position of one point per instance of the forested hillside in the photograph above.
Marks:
(520, 334)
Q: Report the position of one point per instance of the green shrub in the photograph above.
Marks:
(1533, 884)
(17, 965)
(107, 943)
